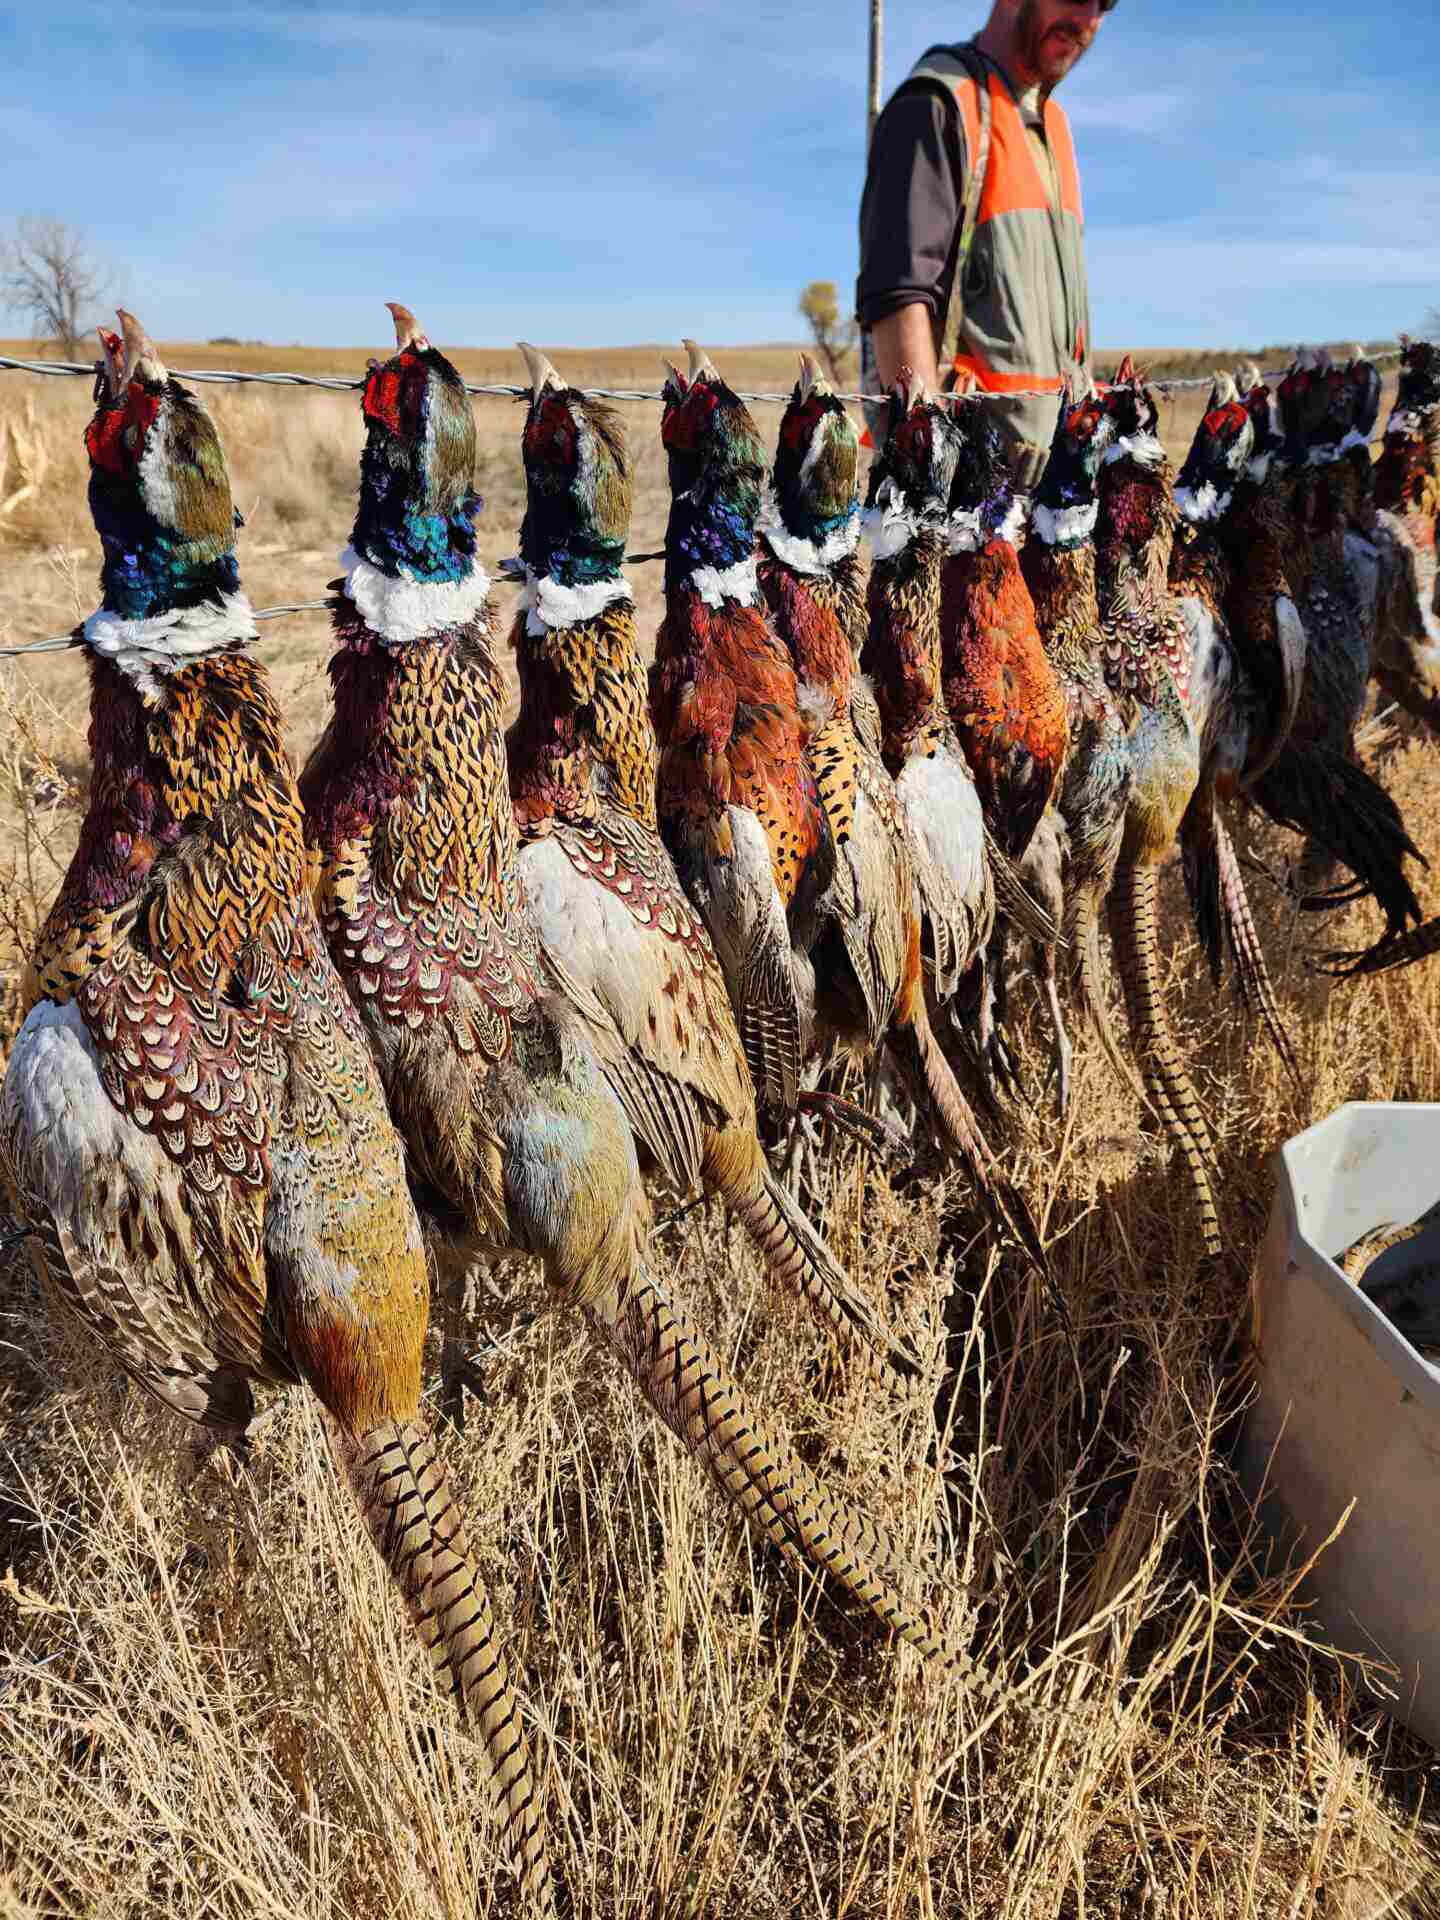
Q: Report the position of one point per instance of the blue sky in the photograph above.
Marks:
(634, 171)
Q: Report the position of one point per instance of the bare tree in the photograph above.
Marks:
(48, 274)
(834, 337)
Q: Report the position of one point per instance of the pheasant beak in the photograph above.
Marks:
(701, 367)
(812, 380)
(140, 356)
(408, 333)
(542, 374)
(911, 389)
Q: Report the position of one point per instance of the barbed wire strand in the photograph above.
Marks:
(339, 383)
(59, 642)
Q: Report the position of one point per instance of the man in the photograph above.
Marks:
(972, 253)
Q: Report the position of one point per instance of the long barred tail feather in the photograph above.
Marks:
(1170, 1086)
(961, 1132)
(797, 1257)
(399, 1485)
(1254, 976)
(688, 1387)
(1089, 968)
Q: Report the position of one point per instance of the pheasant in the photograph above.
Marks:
(1001, 689)
(1008, 709)
(737, 800)
(1147, 666)
(191, 1123)
(1230, 706)
(517, 1143)
(1058, 561)
(609, 910)
(863, 984)
(1406, 499)
(1315, 785)
(906, 521)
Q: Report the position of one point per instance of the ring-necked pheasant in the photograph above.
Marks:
(1230, 706)
(1147, 666)
(1059, 566)
(906, 521)
(1008, 710)
(516, 1141)
(864, 981)
(192, 1124)
(1315, 784)
(737, 800)
(611, 914)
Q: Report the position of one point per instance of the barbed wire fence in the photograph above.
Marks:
(500, 390)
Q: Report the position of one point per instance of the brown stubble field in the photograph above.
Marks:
(212, 1704)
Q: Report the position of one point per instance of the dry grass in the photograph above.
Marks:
(212, 1704)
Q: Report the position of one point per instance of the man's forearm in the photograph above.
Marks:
(904, 339)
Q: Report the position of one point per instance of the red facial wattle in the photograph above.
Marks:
(798, 427)
(683, 426)
(115, 438)
(393, 393)
(551, 434)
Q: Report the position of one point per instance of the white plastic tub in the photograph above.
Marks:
(1347, 1409)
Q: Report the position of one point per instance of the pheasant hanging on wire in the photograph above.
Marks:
(738, 804)
(191, 1122)
(637, 963)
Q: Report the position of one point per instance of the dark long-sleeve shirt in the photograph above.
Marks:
(914, 193)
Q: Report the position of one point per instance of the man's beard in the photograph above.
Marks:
(1051, 55)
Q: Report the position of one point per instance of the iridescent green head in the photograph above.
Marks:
(418, 503)
(577, 478)
(817, 457)
(159, 489)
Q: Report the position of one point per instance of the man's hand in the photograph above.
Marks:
(904, 339)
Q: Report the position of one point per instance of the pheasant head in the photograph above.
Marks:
(1417, 399)
(1065, 504)
(578, 482)
(416, 516)
(817, 457)
(1134, 418)
(983, 502)
(1219, 455)
(717, 472)
(1137, 517)
(159, 490)
(1310, 395)
(912, 478)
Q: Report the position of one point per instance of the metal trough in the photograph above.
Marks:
(1346, 1408)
